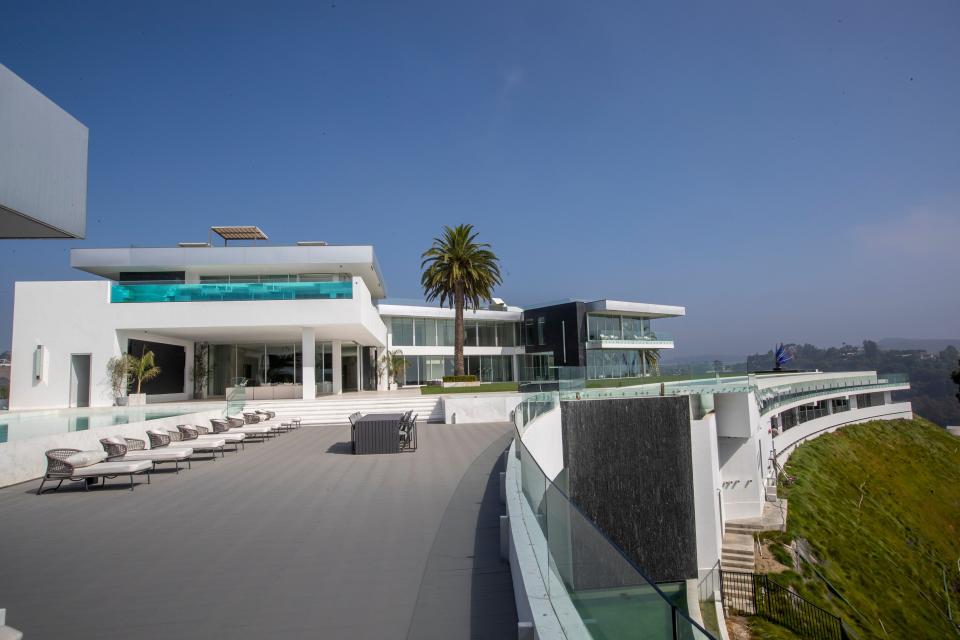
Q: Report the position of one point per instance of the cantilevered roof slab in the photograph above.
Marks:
(638, 309)
(357, 260)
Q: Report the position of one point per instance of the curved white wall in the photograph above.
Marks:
(543, 438)
(787, 441)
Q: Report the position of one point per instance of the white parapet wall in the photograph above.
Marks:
(24, 460)
(460, 408)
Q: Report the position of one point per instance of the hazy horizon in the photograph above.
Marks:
(785, 172)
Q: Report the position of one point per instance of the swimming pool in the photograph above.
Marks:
(23, 425)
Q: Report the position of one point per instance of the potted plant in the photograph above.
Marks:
(142, 369)
(118, 372)
(396, 365)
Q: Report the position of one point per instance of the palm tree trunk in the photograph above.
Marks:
(458, 368)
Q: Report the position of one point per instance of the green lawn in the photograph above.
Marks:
(879, 504)
(488, 386)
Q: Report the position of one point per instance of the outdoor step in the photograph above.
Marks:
(735, 551)
(737, 567)
(749, 529)
(335, 411)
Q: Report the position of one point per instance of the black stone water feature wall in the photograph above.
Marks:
(629, 467)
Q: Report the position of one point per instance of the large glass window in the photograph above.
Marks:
(402, 332)
(633, 329)
(446, 332)
(506, 334)
(470, 333)
(419, 334)
(283, 364)
(614, 363)
(431, 332)
(541, 325)
(487, 334)
(604, 327)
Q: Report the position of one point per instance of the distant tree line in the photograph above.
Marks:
(932, 379)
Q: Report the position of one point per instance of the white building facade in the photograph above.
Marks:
(290, 322)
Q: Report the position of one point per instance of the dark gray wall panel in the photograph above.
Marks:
(630, 470)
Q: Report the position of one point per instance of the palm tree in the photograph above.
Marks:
(460, 272)
(144, 368)
(651, 359)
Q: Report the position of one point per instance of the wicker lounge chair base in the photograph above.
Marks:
(60, 467)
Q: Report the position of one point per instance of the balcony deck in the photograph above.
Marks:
(291, 538)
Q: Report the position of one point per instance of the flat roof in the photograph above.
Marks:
(638, 309)
(357, 260)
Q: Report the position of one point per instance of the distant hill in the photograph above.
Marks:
(933, 345)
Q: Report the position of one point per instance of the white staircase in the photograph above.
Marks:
(331, 410)
(737, 552)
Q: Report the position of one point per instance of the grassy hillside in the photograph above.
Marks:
(879, 504)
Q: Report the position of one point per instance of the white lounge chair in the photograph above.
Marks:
(237, 425)
(119, 449)
(197, 433)
(76, 465)
(160, 438)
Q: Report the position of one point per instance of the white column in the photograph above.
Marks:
(308, 360)
(359, 350)
(337, 368)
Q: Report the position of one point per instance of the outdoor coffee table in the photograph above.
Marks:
(377, 433)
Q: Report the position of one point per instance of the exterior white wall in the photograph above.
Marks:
(543, 438)
(460, 408)
(43, 165)
(733, 415)
(706, 492)
(78, 318)
(789, 439)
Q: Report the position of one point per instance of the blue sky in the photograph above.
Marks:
(785, 171)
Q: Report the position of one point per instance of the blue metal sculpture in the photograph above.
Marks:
(781, 356)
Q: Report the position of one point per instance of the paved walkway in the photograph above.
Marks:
(292, 538)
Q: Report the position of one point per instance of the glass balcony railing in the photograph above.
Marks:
(594, 589)
(235, 291)
(659, 336)
(770, 398)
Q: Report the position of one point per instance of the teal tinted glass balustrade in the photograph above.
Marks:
(222, 291)
(594, 589)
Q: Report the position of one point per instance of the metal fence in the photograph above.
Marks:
(756, 594)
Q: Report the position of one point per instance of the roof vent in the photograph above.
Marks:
(312, 243)
(497, 304)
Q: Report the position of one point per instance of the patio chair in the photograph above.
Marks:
(408, 432)
(253, 417)
(119, 449)
(224, 426)
(76, 465)
(160, 438)
(270, 415)
(191, 437)
(203, 433)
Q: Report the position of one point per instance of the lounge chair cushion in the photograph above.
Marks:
(116, 440)
(85, 458)
(114, 468)
(160, 455)
(229, 437)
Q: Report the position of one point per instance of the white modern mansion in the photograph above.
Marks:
(293, 321)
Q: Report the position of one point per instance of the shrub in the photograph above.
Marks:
(459, 378)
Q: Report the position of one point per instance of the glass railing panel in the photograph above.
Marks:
(592, 586)
(659, 336)
(220, 292)
(534, 485)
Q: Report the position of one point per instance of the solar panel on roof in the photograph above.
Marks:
(239, 233)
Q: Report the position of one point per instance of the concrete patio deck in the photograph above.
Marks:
(292, 538)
